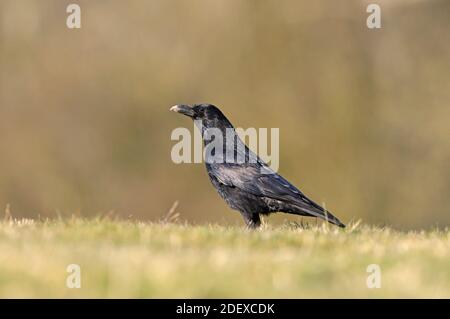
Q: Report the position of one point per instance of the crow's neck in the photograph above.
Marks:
(223, 145)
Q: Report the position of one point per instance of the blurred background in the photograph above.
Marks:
(363, 114)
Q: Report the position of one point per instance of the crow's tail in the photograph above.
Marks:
(309, 208)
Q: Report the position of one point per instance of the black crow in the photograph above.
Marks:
(247, 185)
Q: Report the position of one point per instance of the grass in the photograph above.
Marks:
(134, 259)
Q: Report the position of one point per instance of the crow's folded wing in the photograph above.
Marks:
(259, 180)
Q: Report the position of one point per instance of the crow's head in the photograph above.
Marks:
(209, 115)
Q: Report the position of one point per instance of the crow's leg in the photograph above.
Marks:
(251, 220)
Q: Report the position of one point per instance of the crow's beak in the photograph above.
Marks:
(183, 109)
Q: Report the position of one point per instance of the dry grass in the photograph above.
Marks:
(134, 259)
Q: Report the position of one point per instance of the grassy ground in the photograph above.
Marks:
(132, 259)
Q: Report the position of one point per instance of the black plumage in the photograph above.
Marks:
(247, 185)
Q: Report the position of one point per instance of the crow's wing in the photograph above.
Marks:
(258, 179)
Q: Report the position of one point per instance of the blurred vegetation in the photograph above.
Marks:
(122, 259)
(363, 114)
